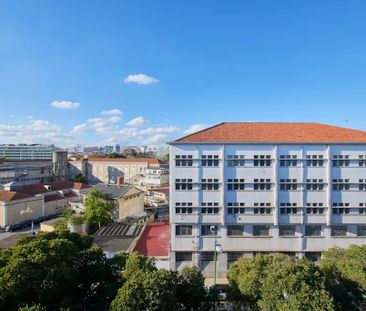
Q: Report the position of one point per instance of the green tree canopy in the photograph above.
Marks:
(98, 210)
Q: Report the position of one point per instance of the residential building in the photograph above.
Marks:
(27, 152)
(295, 188)
(24, 203)
(156, 177)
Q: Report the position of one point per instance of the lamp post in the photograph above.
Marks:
(217, 249)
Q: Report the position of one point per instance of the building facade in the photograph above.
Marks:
(27, 152)
(156, 177)
(295, 188)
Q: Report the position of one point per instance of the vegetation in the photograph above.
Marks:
(98, 210)
(79, 178)
(66, 271)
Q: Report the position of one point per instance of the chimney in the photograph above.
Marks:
(120, 180)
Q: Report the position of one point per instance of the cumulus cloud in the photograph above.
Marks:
(78, 129)
(112, 112)
(159, 130)
(140, 78)
(195, 128)
(137, 121)
(63, 104)
(156, 139)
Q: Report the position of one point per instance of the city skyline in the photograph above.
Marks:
(143, 73)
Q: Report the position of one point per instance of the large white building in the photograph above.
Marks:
(296, 188)
(27, 152)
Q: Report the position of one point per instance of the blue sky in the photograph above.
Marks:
(207, 61)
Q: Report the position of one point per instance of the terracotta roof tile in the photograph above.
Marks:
(254, 132)
(137, 160)
(7, 196)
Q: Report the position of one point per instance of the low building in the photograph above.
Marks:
(157, 197)
(25, 203)
(156, 177)
(129, 199)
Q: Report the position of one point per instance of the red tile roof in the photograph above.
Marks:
(161, 189)
(6, 196)
(154, 241)
(254, 132)
(136, 160)
(61, 185)
(33, 189)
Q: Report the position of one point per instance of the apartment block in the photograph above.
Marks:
(27, 152)
(294, 188)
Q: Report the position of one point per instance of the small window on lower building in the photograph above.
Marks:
(235, 230)
(209, 230)
(262, 230)
(183, 230)
(339, 231)
(313, 256)
(183, 256)
(287, 230)
(207, 256)
(232, 257)
(361, 230)
(313, 230)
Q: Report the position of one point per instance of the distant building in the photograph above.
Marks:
(24, 203)
(35, 171)
(108, 149)
(27, 152)
(156, 177)
(117, 148)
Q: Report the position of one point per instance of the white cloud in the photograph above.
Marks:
(195, 128)
(78, 129)
(159, 130)
(137, 121)
(156, 139)
(112, 112)
(63, 104)
(140, 78)
(104, 125)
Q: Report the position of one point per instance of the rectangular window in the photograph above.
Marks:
(183, 184)
(210, 184)
(288, 208)
(315, 184)
(235, 184)
(232, 257)
(287, 230)
(362, 160)
(313, 256)
(314, 160)
(313, 230)
(340, 208)
(207, 256)
(288, 184)
(362, 184)
(362, 208)
(340, 160)
(262, 184)
(235, 230)
(210, 160)
(209, 230)
(183, 208)
(262, 160)
(338, 230)
(314, 208)
(183, 230)
(234, 208)
(361, 230)
(340, 184)
(262, 208)
(260, 230)
(183, 256)
(235, 160)
(288, 160)
(210, 208)
(183, 160)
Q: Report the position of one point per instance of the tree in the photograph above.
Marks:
(98, 210)
(79, 178)
(278, 282)
(345, 271)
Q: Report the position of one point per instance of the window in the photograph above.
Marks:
(183, 184)
(235, 208)
(314, 184)
(339, 230)
(235, 160)
(340, 208)
(362, 209)
(209, 230)
(288, 160)
(340, 184)
(340, 160)
(209, 184)
(232, 257)
(260, 230)
(262, 208)
(210, 208)
(262, 160)
(183, 208)
(287, 230)
(235, 184)
(361, 230)
(313, 230)
(207, 256)
(288, 208)
(183, 230)
(362, 184)
(362, 160)
(314, 208)
(313, 256)
(262, 184)
(210, 160)
(183, 160)
(288, 184)
(235, 230)
(183, 256)
(314, 160)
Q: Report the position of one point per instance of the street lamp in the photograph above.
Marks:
(217, 249)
